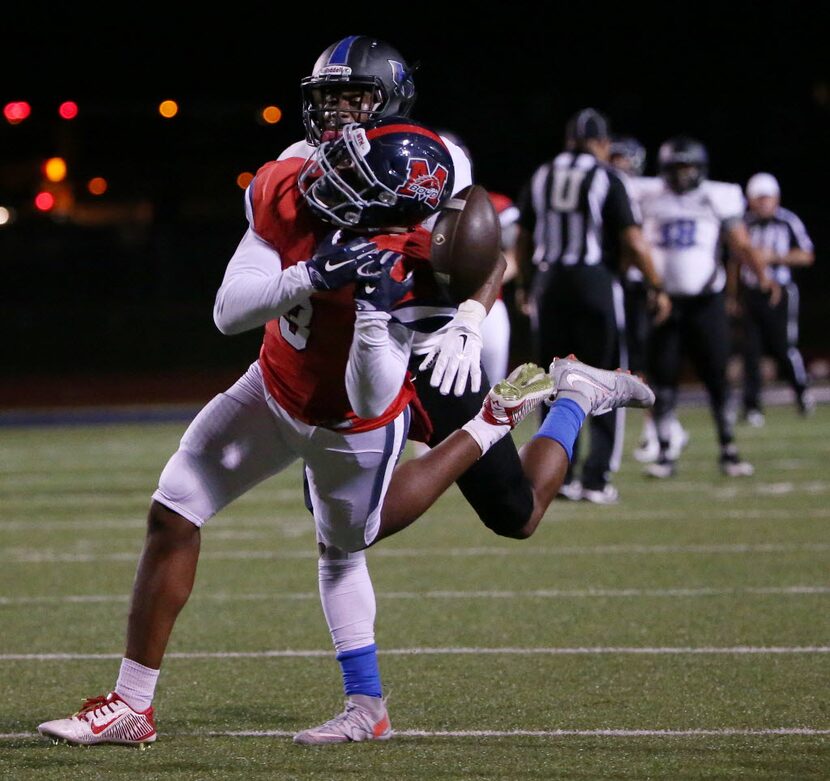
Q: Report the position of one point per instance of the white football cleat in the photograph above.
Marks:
(103, 720)
(732, 465)
(604, 390)
(571, 490)
(608, 494)
(513, 399)
(365, 718)
(662, 468)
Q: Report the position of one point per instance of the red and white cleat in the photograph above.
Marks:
(513, 399)
(103, 720)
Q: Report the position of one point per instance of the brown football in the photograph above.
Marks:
(466, 242)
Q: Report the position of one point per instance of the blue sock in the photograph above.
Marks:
(562, 424)
(361, 674)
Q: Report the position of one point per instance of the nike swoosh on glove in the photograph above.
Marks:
(389, 286)
(340, 260)
(457, 356)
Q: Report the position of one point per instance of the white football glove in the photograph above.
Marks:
(457, 356)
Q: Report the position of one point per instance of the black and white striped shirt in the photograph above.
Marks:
(780, 233)
(575, 207)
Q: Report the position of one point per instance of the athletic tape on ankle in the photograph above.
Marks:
(562, 424)
(361, 674)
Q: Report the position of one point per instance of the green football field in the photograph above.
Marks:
(682, 634)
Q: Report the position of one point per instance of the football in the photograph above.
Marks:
(466, 242)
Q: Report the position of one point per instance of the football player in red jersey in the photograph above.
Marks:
(311, 396)
(339, 404)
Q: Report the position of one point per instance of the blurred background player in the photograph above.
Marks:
(628, 156)
(686, 218)
(577, 227)
(781, 239)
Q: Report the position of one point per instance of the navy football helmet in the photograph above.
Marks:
(372, 69)
(390, 173)
(628, 154)
(683, 163)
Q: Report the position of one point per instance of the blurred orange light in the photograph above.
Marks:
(244, 179)
(55, 169)
(68, 109)
(44, 201)
(97, 185)
(16, 111)
(168, 108)
(271, 114)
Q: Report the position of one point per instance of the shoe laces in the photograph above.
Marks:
(95, 706)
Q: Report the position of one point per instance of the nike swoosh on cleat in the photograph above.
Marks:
(96, 730)
(369, 289)
(572, 378)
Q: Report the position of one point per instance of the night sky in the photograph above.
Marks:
(752, 85)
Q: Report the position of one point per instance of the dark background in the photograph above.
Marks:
(130, 289)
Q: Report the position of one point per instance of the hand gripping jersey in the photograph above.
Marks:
(304, 353)
(685, 231)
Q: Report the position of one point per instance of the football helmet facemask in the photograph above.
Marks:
(391, 173)
(683, 163)
(629, 155)
(356, 79)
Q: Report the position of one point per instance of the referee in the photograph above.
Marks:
(780, 237)
(576, 224)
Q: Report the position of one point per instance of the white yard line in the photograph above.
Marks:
(513, 733)
(600, 593)
(35, 556)
(295, 524)
(458, 651)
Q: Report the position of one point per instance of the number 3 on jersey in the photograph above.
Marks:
(294, 325)
(677, 234)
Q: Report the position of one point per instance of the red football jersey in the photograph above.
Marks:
(304, 353)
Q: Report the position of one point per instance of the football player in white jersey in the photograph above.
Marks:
(628, 156)
(686, 219)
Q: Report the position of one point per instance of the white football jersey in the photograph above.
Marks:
(684, 231)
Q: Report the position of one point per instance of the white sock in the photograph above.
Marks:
(348, 598)
(136, 684)
(485, 434)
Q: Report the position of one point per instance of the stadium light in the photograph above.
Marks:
(97, 185)
(168, 108)
(44, 201)
(244, 179)
(5, 216)
(55, 169)
(16, 111)
(68, 109)
(271, 114)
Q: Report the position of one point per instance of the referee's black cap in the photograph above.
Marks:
(587, 124)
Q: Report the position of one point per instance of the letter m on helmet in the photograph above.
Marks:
(424, 183)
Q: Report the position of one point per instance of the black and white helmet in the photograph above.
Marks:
(362, 64)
